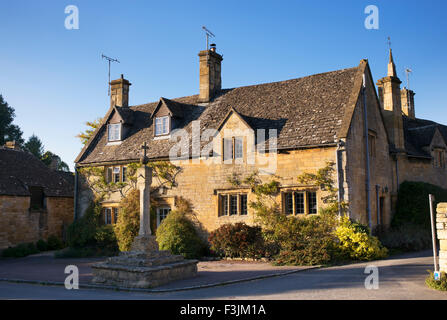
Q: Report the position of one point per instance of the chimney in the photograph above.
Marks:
(119, 92)
(13, 145)
(407, 98)
(210, 74)
(55, 162)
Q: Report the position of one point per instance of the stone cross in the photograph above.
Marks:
(144, 180)
(144, 159)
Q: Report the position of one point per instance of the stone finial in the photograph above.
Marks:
(391, 66)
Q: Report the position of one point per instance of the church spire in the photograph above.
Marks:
(391, 66)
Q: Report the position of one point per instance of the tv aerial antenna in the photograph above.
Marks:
(110, 60)
(208, 35)
(408, 72)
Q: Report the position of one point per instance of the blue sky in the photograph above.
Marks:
(56, 80)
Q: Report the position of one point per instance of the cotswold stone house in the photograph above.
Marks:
(374, 139)
(35, 201)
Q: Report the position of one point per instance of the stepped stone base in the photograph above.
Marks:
(143, 267)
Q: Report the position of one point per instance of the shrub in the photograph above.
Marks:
(356, 243)
(300, 241)
(128, 224)
(440, 284)
(178, 234)
(413, 206)
(407, 237)
(21, 250)
(42, 245)
(237, 240)
(82, 231)
(54, 243)
(106, 240)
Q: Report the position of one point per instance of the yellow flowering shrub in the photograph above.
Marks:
(356, 243)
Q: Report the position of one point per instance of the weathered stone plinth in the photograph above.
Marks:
(143, 267)
(441, 226)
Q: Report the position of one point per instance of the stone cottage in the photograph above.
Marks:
(288, 128)
(35, 201)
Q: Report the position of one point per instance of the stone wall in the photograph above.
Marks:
(19, 224)
(441, 226)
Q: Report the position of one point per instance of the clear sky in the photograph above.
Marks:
(56, 80)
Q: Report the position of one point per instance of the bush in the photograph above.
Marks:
(81, 232)
(106, 240)
(300, 241)
(412, 204)
(178, 234)
(237, 240)
(407, 237)
(54, 243)
(440, 284)
(21, 250)
(356, 243)
(128, 224)
(42, 245)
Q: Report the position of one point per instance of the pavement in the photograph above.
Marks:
(45, 269)
(400, 278)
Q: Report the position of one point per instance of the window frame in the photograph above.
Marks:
(156, 126)
(109, 132)
(159, 210)
(228, 208)
(108, 215)
(306, 204)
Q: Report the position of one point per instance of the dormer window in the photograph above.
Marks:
(114, 132)
(162, 125)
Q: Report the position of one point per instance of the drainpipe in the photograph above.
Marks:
(365, 114)
(337, 165)
(76, 194)
(378, 204)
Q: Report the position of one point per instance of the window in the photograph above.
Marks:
(161, 125)
(116, 174)
(288, 203)
(232, 204)
(438, 158)
(300, 206)
(243, 199)
(223, 205)
(238, 148)
(233, 148)
(300, 202)
(123, 174)
(312, 200)
(115, 215)
(228, 148)
(114, 132)
(108, 215)
(372, 145)
(162, 213)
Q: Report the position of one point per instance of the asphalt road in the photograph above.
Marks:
(399, 278)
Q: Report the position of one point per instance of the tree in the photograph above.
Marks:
(92, 126)
(8, 131)
(47, 158)
(35, 146)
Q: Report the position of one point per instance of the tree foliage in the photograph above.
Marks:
(35, 146)
(47, 158)
(91, 128)
(128, 224)
(8, 130)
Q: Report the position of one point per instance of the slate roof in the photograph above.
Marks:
(418, 133)
(20, 170)
(307, 111)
